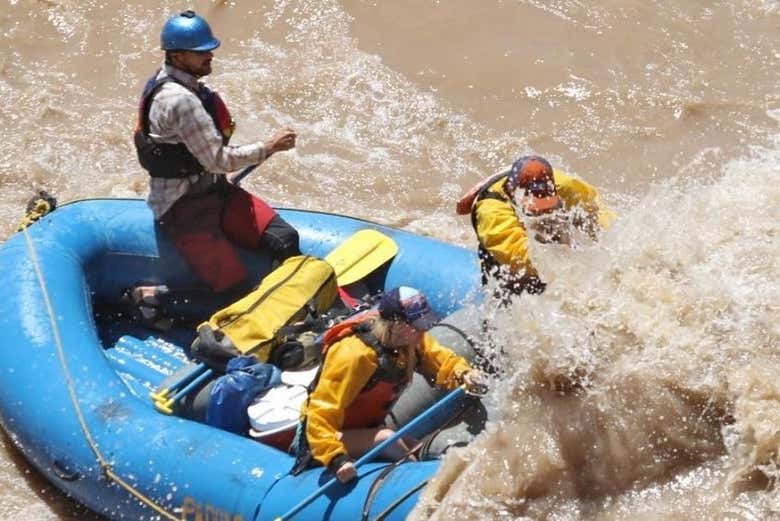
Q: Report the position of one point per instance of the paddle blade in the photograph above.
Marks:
(361, 254)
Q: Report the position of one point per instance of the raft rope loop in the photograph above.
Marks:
(380, 479)
(403, 497)
(105, 466)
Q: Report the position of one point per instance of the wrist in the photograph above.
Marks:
(338, 461)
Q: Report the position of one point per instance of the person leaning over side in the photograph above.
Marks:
(532, 198)
(368, 363)
(182, 141)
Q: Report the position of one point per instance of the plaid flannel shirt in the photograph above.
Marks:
(176, 115)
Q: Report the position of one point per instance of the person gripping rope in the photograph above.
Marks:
(368, 363)
(182, 140)
(530, 199)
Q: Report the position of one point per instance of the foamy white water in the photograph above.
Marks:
(649, 372)
(644, 379)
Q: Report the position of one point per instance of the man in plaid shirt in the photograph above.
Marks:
(182, 140)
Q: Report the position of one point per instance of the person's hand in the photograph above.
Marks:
(346, 472)
(282, 140)
(476, 382)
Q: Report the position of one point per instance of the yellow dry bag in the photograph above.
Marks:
(259, 322)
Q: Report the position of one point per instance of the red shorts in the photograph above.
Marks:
(204, 228)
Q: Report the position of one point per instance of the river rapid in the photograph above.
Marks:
(643, 384)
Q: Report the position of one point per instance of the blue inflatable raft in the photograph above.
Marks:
(74, 389)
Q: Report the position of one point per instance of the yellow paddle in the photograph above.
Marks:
(360, 255)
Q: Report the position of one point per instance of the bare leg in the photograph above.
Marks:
(360, 441)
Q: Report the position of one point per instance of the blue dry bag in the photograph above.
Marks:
(232, 393)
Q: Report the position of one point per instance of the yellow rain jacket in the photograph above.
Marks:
(501, 232)
(354, 389)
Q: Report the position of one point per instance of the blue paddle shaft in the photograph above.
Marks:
(192, 385)
(187, 378)
(445, 402)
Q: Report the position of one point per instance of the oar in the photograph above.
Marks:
(361, 254)
(442, 404)
(236, 180)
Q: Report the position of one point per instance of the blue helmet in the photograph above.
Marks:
(187, 32)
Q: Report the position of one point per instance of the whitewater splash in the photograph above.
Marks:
(644, 375)
(645, 380)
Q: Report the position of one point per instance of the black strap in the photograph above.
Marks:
(149, 93)
(485, 193)
(388, 370)
(487, 363)
(487, 262)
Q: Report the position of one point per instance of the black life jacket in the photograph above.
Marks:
(167, 160)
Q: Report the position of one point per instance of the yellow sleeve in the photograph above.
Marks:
(441, 364)
(576, 192)
(503, 235)
(347, 368)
